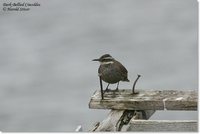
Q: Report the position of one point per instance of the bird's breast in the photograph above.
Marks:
(109, 73)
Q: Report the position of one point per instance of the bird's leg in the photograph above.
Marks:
(117, 87)
(101, 86)
(107, 88)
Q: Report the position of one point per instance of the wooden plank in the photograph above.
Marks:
(146, 100)
(162, 126)
(112, 122)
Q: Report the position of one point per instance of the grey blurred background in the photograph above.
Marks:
(46, 73)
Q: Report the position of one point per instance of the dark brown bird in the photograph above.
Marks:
(111, 70)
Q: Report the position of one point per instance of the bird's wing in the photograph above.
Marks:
(122, 69)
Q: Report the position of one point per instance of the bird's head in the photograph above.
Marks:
(105, 59)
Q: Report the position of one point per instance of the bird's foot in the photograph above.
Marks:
(116, 90)
(135, 92)
(106, 90)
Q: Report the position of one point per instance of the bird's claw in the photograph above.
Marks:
(116, 90)
(106, 90)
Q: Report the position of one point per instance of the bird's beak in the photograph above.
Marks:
(95, 60)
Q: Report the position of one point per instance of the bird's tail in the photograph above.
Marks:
(126, 79)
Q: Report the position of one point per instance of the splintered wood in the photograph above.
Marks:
(146, 100)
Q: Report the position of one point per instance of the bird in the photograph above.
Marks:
(111, 71)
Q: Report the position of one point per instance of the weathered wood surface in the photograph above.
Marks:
(162, 126)
(146, 100)
(112, 122)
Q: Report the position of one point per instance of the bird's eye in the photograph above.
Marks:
(103, 60)
(106, 60)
